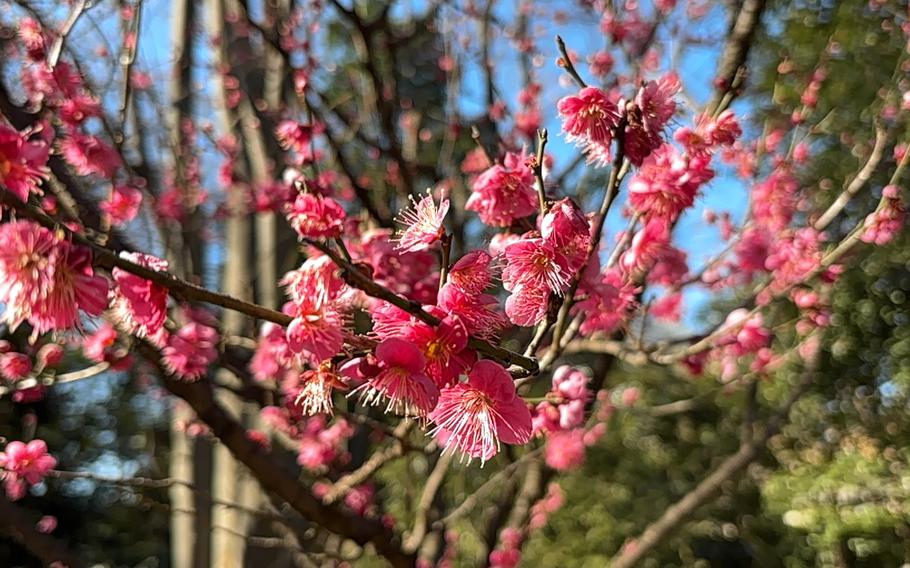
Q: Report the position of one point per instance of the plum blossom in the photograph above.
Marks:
(474, 417)
(15, 366)
(422, 224)
(400, 380)
(90, 155)
(192, 348)
(24, 465)
(138, 303)
(668, 182)
(23, 163)
(316, 331)
(46, 280)
(588, 120)
(881, 226)
(315, 216)
(123, 205)
(647, 115)
(504, 192)
(316, 388)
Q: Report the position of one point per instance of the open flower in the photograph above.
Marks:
(316, 388)
(23, 465)
(22, 163)
(400, 380)
(137, 302)
(475, 416)
(422, 224)
(45, 280)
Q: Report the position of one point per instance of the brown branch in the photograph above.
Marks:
(262, 465)
(731, 67)
(179, 288)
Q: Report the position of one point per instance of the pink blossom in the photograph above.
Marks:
(668, 308)
(316, 388)
(76, 109)
(50, 355)
(139, 303)
(565, 450)
(474, 417)
(504, 192)
(527, 304)
(33, 38)
(272, 356)
(25, 464)
(608, 305)
(881, 226)
(422, 224)
(90, 155)
(443, 346)
(123, 206)
(15, 366)
(316, 330)
(588, 120)
(46, 524)
(479, 312)
(23, 164)
(191, 350)
(99, 346)
(566, 226)
(315, 216)
(648, 115)
(646, 246)
(472, 272)
(668, 182)
(46, 280)
(400, 380)
(537, 263)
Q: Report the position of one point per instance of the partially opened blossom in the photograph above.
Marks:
(646, 246)
(272, 357)
(608, 304)
(565, 450)
(23, 163)
(46, 280)
(190, 350)
(138, 303)
(23, 465)
(315, 216)
(647, 117)
(316, 388)
(472, 272)
(474, 417)
(15, 366)
(316, 331)
(504, 192)
(90, 155)
(123, 205)
(400, 382)
(566, 226)
(422, 224)
(527, 304)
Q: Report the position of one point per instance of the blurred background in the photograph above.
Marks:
(834, 487)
